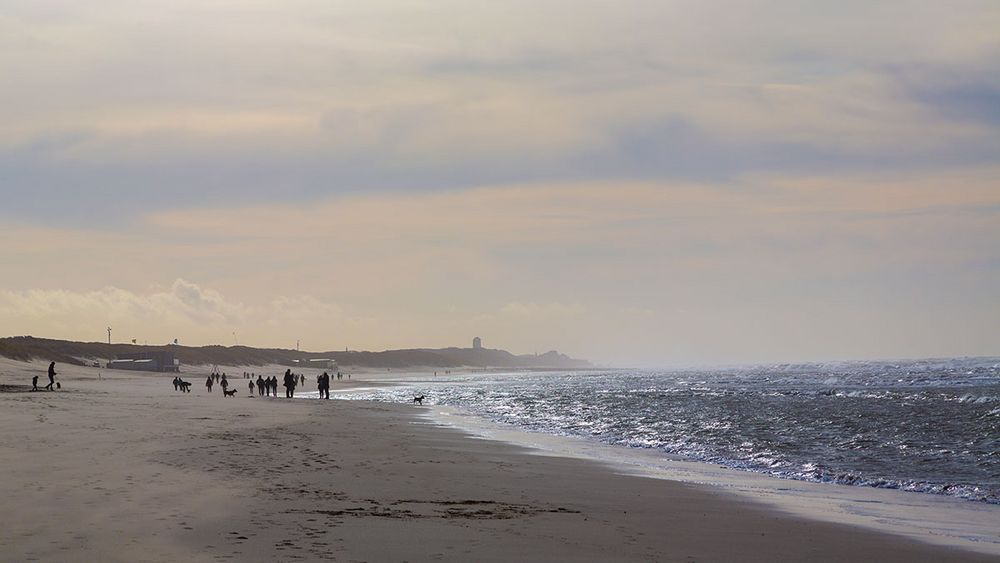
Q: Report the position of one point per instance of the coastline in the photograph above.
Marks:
(936, 519)
(123, 468)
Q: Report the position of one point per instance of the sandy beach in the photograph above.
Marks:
(120, 467)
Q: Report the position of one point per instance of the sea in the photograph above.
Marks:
(926, 426)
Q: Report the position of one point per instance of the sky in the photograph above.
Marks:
(637, 182)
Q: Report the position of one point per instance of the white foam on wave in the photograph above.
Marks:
(935, 519)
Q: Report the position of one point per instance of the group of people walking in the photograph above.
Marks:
(219, 378)
(265, 386)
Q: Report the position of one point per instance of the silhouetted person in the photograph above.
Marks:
(208, 383)
(52, 376)
(260, 386)
(289, 384)
(251, 389)
(224, 383)
(34, 383)
(324, 386)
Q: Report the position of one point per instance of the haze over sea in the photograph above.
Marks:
(930, 426)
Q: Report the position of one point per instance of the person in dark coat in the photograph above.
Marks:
(289, 384)
(52, 376)
(324, 386)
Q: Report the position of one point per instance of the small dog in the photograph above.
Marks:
(419, 400)
(230, 393)
(185, 386)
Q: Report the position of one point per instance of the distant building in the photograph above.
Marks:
(321, 363)
(477, 343)
(157, 360)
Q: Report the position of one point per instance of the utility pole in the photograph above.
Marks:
(296, 345)
(109, 335)
(235, 343)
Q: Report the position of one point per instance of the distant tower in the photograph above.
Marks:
(477, 343)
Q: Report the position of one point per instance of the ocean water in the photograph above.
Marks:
(930, 426)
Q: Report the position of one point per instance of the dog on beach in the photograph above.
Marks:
(419, 399)
(230, 392)
(184, 386)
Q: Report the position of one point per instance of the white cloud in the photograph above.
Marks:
(184, 301)
(186, 310)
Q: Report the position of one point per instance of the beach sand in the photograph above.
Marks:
(123, 468)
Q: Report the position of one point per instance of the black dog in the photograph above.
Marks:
(185, 386)
(419, 400)
(230, 393)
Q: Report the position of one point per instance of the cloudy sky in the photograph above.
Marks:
(634, 182)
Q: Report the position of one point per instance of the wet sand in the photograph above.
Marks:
(123, 468)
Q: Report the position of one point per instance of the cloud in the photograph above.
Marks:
(184, 302)
(185, 310)
(968, 93)
(400, 172)
(199, 304)
(599, 269)
(304, 101)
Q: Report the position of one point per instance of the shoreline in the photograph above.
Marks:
(122, 468)
(455, 392)
(969, 524)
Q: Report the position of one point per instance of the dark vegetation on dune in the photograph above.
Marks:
(82, 353)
